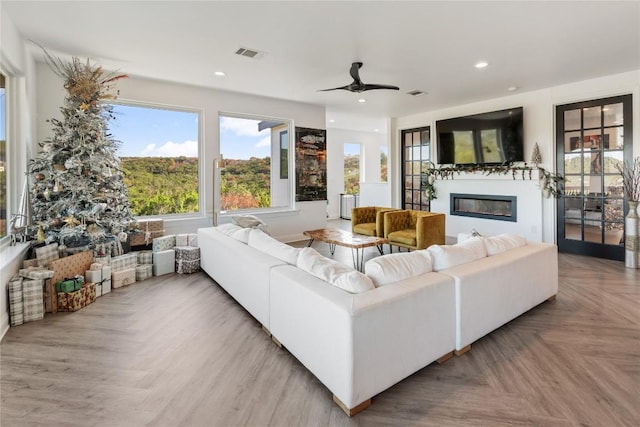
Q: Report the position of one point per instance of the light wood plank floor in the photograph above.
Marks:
(176, 350)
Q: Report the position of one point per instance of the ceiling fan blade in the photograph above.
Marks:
(374, 86)
(355, 72)
(347, 87)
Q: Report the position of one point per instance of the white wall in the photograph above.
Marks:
(370, 143)
(20, 95)
(284, 225)
(537, 217)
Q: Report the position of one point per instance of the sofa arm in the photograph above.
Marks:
(430, 230)
(380, 220)
(396, 220)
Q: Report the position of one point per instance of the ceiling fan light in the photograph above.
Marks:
(362, 100)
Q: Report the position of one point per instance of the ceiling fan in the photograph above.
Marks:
(357, 85)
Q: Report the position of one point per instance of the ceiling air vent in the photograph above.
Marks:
(249, 53)
(415, 93)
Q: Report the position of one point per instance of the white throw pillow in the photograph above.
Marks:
(242, 234)
(447, 256)
(392, 268)
(227, 228)
(250, 221)
(333, 272)
(503, 242)
(273, 247)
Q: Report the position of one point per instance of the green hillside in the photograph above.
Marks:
(169, 185)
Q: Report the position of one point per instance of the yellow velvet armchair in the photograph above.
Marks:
(368, 220)
(414, 229)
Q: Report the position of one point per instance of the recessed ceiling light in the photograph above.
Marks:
(331, 120)
(376, 130)
(361, 100)
(512, 88)
(481, 64)
(219, 73)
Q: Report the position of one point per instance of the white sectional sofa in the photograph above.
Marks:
(359, 334)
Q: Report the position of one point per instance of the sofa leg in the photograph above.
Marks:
(266, 331)
(352, 411)
(445, 357)
(552, 297)
(462, 350)
(276, 342)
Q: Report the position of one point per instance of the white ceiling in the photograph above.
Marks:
(309, 45)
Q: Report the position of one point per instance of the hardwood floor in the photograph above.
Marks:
(176, 350)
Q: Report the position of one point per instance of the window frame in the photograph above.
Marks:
(202, 189)
(291, 204)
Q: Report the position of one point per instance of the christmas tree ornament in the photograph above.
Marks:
(57, 187)
(46, 194)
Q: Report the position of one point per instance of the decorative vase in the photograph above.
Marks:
(632, 236)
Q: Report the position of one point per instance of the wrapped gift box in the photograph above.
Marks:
(104, 260)
(68, 267)
(148, 230)
(98, 290)
(46, 254)
(145, 237)
(16, 308)
(187, 240)
(106, 286)
(93, 276)
(76, 300)
(143, 272)
(187, 259)
(70, 285)
(164, 262)
(28, 263)
(124, 262)
(145, 257)
(122, 278)
(32, 300)
(164, 243)
(40, 273)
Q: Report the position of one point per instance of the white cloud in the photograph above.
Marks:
(243, 127)
(172, 149)
(264, 142)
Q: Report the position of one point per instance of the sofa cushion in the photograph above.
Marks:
(367, 228)
(242, 234)
(406, 236)
(392, 268)
(447, 256)
(333, 272)
(227, 228)
(503, 242)
(267, 244)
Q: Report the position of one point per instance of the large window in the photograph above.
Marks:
(256, 163)
(384, 160)
(352, 168)
(160, 158)
(3, 157)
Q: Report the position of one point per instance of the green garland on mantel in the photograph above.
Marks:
(550, 184)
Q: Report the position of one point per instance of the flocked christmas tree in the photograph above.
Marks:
(79, 196)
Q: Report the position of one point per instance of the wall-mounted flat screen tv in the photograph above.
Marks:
(488, 138)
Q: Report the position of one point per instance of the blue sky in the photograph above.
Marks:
(152, 132)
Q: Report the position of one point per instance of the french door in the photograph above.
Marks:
(592, 137)
(416, 156)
